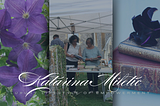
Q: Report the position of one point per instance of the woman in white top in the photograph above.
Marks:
(72, 49)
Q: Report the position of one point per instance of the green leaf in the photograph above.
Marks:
(3, 90)
(3, 103)
(9, 98)
(2, 63)
(44, 39)
(40, 94)
(45, 7)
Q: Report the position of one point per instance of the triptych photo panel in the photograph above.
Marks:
(79, 53)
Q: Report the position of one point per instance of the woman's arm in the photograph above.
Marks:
(65, 49)
(79, 51)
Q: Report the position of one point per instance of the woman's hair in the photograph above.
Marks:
(72, 38)
(90, 39)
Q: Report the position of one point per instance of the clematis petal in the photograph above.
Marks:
(13, 55)
(8, 39)
(26, 61)
(42, 73)
(34, 6)
(15, 7)
(35, 48)
(9, 75)
(5, 19)
(18, 27)
(37, 24)
(32, 38)
(20, 91)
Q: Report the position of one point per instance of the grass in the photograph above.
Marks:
(85, 99)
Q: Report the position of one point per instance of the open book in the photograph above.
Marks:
(79, 57)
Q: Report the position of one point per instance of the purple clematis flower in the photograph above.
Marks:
(26, 15)
(9, 76)
(8, 39)
(28, 42)
(146, 30)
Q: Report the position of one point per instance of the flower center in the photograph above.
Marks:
(24, 76)
(25, 15)
(25, 45)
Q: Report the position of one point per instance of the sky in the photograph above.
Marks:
(124, 10)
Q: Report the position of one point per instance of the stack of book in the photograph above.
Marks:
(135, 60)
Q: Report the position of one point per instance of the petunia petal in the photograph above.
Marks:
(9, 75)
(148, 13)
(34, 6)
(37, 24)
(18, 27)
(137, 25)
(5, 19)
(35, 48)
(26, 61)
(32, 38)
(15, 7)
(8, 39)
(20, 91)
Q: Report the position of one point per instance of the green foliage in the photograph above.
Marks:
(9, 98)
(42, 60)
(45, 11)
(62, 92)
(4, 52)
(3, 103)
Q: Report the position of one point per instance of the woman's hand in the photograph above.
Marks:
(72, 56)
(91, 59)
(98, 56)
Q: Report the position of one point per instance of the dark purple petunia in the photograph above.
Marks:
(146, 30)
(28, 42)
(9, 76)
(8, 39)
(26, 15)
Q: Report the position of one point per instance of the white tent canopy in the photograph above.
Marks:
(88, 16)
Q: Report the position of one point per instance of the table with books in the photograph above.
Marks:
(91, 69)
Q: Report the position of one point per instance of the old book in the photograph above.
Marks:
(79, 57)
(134, 66)
(131, 48)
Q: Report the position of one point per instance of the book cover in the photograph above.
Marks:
(134, 66)
(79, 57)
(129, 47)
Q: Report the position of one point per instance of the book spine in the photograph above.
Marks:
(139, 52)
(150, 81)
